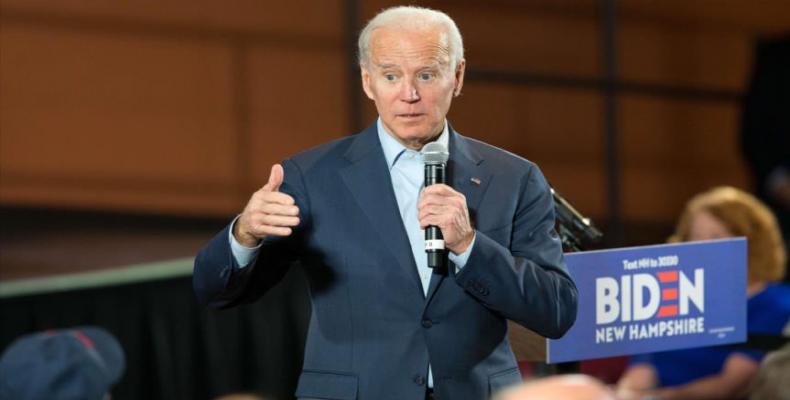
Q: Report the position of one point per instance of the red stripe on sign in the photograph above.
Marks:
(668, 311)
(668, 276)
(669, 294)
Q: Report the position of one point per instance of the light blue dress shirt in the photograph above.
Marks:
(407, 172)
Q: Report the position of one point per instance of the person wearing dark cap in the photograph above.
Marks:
(80, 363)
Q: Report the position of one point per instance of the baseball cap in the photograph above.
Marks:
(79, 363)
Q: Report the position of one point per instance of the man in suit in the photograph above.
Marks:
(352, 212)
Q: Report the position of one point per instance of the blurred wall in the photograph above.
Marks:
(181, 107)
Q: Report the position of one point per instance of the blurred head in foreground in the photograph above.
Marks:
(561, 387)
(240, 396)
(80, 363)
(725, 212)
(771, 382)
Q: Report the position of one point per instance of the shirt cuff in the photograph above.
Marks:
(244, 255)
(461, 259)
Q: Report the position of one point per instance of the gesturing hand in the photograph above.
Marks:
(268, 213)
(441, 206)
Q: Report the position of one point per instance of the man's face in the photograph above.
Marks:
(410, 79)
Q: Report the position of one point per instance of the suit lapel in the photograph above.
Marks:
(368, 179)
(467, 175)
(467, 172)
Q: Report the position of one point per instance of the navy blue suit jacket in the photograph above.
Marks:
(372, 331)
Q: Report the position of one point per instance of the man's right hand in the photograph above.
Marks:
(268, 213)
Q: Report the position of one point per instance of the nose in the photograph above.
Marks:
(408, 92)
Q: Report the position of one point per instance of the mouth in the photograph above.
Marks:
(410, 115)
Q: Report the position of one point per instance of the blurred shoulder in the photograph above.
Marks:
(779, 293)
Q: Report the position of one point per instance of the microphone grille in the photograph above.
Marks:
(434, 153)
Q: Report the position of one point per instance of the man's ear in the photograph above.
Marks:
(365, 77)
(459, 77)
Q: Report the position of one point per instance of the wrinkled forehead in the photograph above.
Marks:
(402, 46)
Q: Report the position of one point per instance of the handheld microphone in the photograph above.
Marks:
(435, 156)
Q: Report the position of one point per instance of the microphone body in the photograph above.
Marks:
(434, 241)
(435, 157)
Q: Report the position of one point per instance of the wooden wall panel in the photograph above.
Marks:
(534, 122)
(166, 107)
(561, 130)
(743, 16)
(107, 112)
(298, 99)
(529, 42)
(672, 150)
(520, 39)
(295, 17)
(369, 113)
(652, 53)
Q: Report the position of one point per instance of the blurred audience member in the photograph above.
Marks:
(75, 364)
(773, 380)
(765, 127)
(240, 396)
(560, 387)
(721, 372)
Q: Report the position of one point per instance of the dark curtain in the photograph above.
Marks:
(765, 122)
(176, 349)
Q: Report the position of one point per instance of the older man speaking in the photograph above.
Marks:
(353, 212)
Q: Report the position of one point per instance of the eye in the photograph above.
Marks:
(425, 76)
(390, 77)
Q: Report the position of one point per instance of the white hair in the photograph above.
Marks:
(414, 18)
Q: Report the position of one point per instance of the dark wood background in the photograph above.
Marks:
(179, 108)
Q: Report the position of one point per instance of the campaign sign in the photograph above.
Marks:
(655, 298)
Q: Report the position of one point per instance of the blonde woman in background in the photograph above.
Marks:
(721, 372)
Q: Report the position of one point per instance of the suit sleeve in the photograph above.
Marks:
(528, 282)
(219, 281)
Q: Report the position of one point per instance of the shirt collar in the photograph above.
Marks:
(393, 148)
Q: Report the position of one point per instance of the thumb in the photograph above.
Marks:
(275, 179)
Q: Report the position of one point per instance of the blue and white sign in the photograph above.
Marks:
(655, 298)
